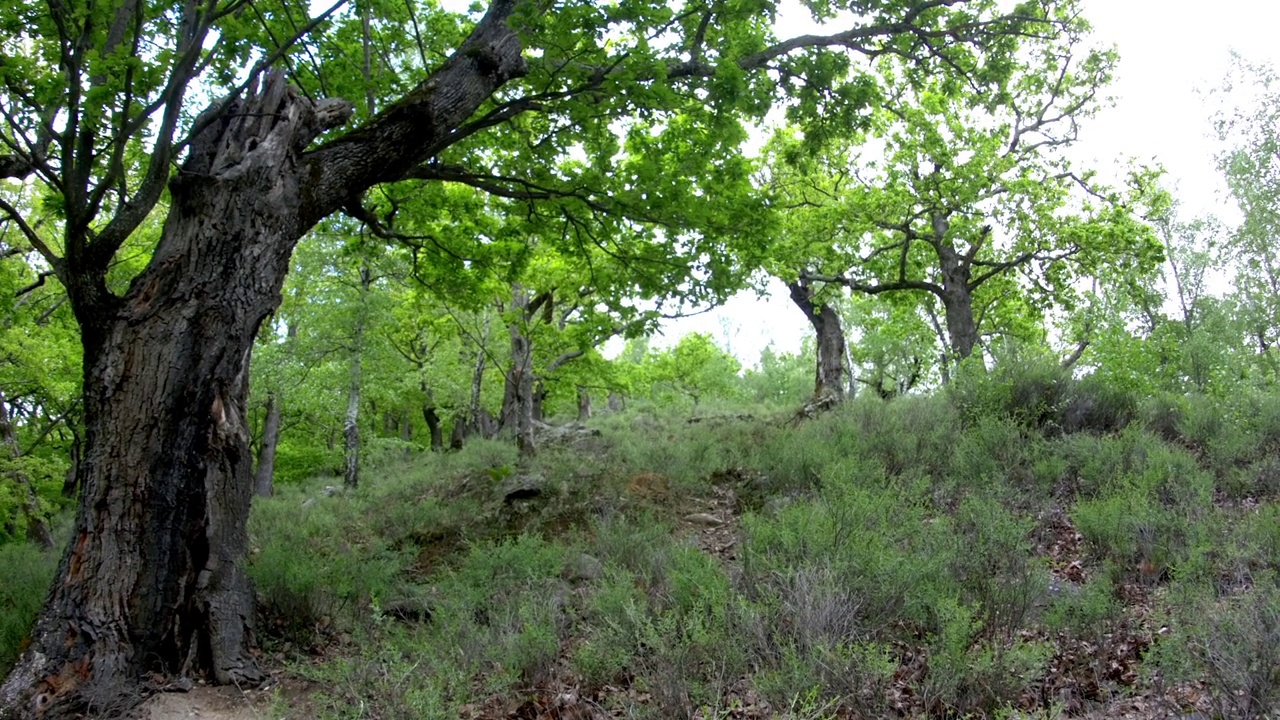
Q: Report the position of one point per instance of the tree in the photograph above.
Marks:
(1250, 133)
(962, 193)
(696, 368)
(97, 111)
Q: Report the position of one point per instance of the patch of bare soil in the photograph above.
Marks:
(283, 699)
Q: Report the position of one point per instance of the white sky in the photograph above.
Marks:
(1171, 51)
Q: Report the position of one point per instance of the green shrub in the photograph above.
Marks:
(1230, 643)
(312, 564)
(1086, 613)
(967, 676)
(1029, 390)
(296, 462)
(27, 572)
(996, 573)
(1093, 404)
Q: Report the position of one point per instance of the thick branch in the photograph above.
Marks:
(422, 123)
(876, 288)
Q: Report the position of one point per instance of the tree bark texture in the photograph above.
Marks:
(264, 476)
(831, 376)
(153, 581)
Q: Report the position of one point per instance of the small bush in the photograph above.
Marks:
(1086, 613)
(312, 563)
(996, 574)
(1231, 643)
(1092, 404)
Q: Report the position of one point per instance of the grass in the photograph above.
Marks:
(1020, 546)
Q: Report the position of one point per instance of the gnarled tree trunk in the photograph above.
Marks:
(153, 582)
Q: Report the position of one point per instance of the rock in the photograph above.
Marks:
(522, 487)
(582, 568)
(703, 519)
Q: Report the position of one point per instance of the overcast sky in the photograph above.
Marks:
(1171, 53)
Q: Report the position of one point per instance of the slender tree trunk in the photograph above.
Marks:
(584, 404)
(520, 380)
(539, 396)
(830, 378)
(37, 526)
(615, 402)
(72, 481)
(351, 424)
(264, 476)
(472, 420)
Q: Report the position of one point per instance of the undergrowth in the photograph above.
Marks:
(966, 554)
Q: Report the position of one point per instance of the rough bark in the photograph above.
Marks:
(584, 404)
(831, 376)
(152, 584)
(264, 476)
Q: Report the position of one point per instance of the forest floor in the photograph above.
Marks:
(887, 560)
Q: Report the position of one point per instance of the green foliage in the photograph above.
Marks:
(1232, 643)
(27, 572)
(314, 567)
(1035, 391)
(780, 379)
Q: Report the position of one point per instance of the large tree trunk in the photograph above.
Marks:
(831, 376)
(962, 330)
(264, 476)
(153, 583)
